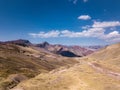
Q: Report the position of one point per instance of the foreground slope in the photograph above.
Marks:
(21, 61)
(99, 71)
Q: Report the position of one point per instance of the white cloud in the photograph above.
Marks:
(84, 17)
(92, 32)
(86, 27)
(106, 24)
(96, 31)
(71, 34)
(85, 1)
(113, 34)
(45, 34)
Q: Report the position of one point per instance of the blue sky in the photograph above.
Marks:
(69, 22)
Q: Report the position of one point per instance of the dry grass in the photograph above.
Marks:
(16, 59)
(81, 76)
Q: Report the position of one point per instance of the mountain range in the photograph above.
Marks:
(68, 51)
(44, 66)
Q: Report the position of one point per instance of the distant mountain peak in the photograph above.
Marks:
(43, 45)
(21, 42)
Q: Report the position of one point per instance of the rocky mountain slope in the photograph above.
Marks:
(69, 51)
(98, 71)
(21, 60)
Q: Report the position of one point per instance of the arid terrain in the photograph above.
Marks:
(21, 60)
(24, 66)
(59, 44)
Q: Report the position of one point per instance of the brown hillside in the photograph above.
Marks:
(99, 71)
(27, 61)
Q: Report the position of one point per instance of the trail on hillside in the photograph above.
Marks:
(103, 70)
(80, 83)
(100, 69)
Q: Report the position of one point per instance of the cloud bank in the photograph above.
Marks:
(46, 34)
(106, 24)
(97, 30)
